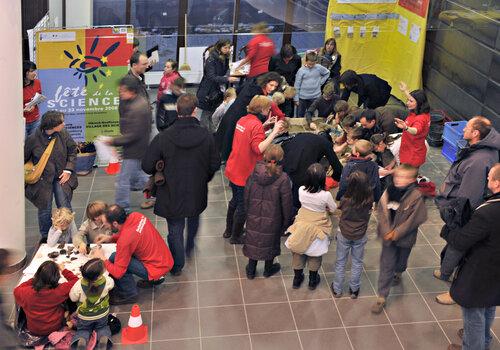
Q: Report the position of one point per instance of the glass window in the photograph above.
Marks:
(309, 18)
(209, 21)
(156, 21)
(109, 12)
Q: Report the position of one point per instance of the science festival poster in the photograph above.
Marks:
(79, 70)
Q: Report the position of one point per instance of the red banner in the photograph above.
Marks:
(418, 7)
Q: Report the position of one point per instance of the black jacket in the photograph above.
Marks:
(305, 149)
(225, 133)
(366, 165)
(166, 111)
(135, 127)
(191, 161)
(143, 91)
(478, 280)
(286, 70)
(63, 157)
(214, 75)
(372, 91)
(324, 108)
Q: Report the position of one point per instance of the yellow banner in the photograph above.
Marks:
(380, 37)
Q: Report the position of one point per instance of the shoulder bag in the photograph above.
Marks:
(33, 172)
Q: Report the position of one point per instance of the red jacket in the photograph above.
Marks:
(43, 309)
(28, 92)
(139, 238)
(413, 150)
(275, 112)
(165, 82)
(249, 133)
(260, 49)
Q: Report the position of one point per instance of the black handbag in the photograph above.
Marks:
(214, 98)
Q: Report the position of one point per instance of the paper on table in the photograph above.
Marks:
(154, 58)
(37, 99)
(243, 70)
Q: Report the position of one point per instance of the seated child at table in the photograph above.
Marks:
(63, 227)
(42, 296)
(91, 293)
(92, 227)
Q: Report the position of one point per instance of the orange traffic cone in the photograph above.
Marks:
(113, 167)
(136, 332)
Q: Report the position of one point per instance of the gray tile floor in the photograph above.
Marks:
(213, 306)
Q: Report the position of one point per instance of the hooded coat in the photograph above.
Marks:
(268, 200)
(468, 175)
(214, 75)
(191, 161)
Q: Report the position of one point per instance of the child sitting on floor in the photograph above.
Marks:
(310, 233)
(92, 227)
(41, 298)
(91, 293)
(63, 227)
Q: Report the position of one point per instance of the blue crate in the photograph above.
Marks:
(454, 131)
(450, 150)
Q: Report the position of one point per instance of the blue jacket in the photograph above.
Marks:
(365, 165)
(308, 82)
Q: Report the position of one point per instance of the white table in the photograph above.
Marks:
(73, 263)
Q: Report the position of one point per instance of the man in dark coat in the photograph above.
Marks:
(138, 65)
(135, 128)
(191, 160)
(303, 150)
(58, 178)
(372, 91)
(477, 285)
(263, 85)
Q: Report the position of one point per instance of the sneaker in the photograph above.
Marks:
(297, 281)
(227, 234)
(250, 274)
(396, 279)
(146, 284)
(378, 306)
(275, 268)
(115, 299)
(460, 333)
(314, 281)
(335, 294)
(147, 204)
(354, 295)
(439, 276)
(103, 343)
(176, 272)
(454, 347)
(445, 299)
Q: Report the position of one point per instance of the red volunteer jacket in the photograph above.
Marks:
(139, 238)
(165, 82)
(43, 309)
(413, 150)
(249, 133)
(260, 49)
(28, 93)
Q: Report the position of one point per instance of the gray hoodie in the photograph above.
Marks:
(468, 174)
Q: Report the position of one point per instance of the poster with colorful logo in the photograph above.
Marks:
(79, 70)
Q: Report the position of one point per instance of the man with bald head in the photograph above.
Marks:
(477, 285)
(467, 178)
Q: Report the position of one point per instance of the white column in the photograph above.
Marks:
(55, 13)
(12, 227)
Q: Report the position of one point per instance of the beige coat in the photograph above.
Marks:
(308, 226)
(88, 232)
(411, 213)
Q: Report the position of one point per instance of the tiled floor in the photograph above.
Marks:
(213, 306)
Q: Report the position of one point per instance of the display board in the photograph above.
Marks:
(79, 70)
(382, 37)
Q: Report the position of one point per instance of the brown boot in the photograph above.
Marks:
(229, 221)
(378, 307)
(445, 299)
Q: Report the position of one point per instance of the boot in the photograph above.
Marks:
(271, 269)
(237, 232)
(298, 278)
(229, 221)
(313, 279)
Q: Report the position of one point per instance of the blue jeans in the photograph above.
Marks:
(238, 201)
(45, 215)
(451, 260)
(175, 239)
(126, 286)
(303, 107)
(84, 329)
(357, 250)
(477, 324)
(31, 127)
(130, 176)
